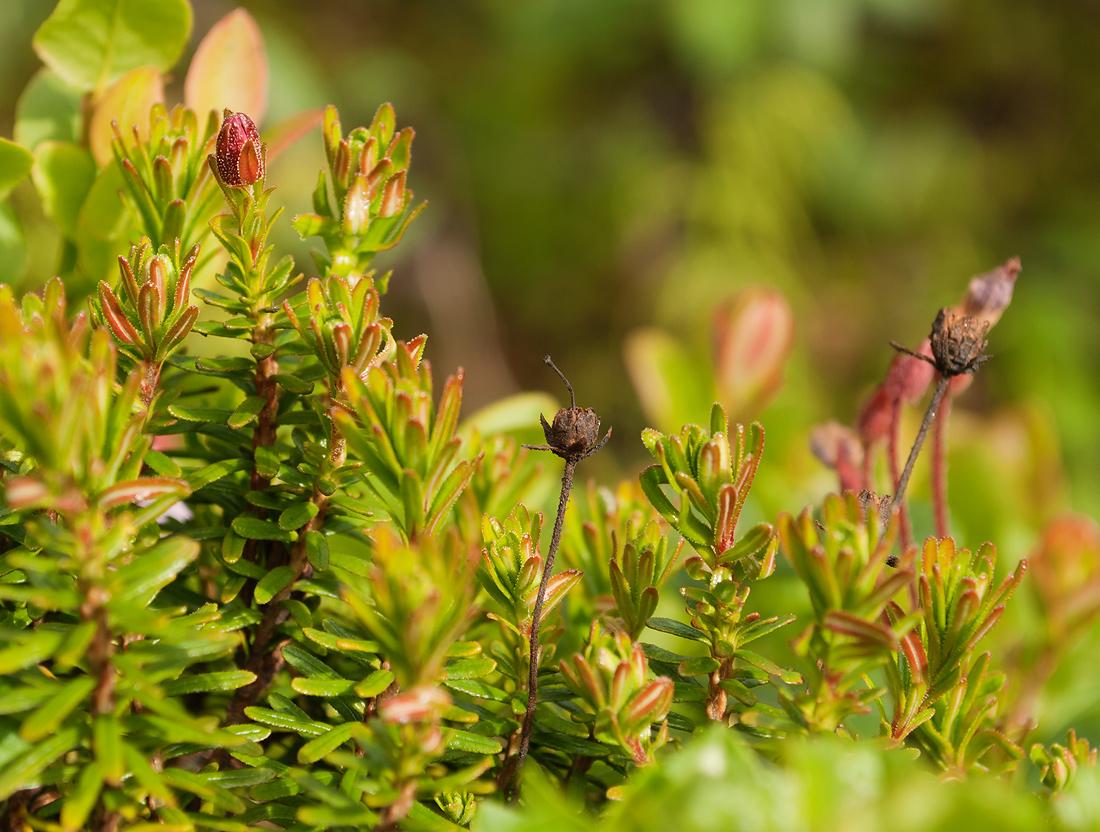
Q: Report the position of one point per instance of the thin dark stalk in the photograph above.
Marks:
(926, 423)
(939, 470)
(906, 527)
(547, 569)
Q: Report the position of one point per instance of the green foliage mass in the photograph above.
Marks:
(256, 569)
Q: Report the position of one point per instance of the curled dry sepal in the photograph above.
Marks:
(575, 431)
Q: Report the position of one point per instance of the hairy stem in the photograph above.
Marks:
(906, 527)
(939, 469)
(926, 423)
(532, 679)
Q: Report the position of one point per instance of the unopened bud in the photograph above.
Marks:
(238, 152)
(877, 415)
(989, 294)
(908, 377)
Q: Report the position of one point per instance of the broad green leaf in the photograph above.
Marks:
(473, 743)
(162, 464)
(79, 802)
(317, 550)
(286, 722)
(15, 163)
(200, 414)
(267, 462)
(314, 750)
(229, 69)
(311, 686)
(202, 786)
(297, 515)
(219, 681)
(212, 473)
(24, 698)
(294, 384)
(48, 109)
(673, 387)
(89, 43)
(254, 528)
(374, 684)
(675, 628)
(470, 668)
(107, 743)
(50, 714)
(572, 745)
(26, 769)
(241, 778)
(478, 689)
(29, 649)
(100, 227)
(127, 101)
(274, 581)
(13, 246)
(246, 411)
(146, 574)
(698, 666)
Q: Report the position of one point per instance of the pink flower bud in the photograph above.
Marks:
(238, 152)
(839, 448)
(418, 704)
(989, 294)
(754, 336)
(908, 377)
(874, 419)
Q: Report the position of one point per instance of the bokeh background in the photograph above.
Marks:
(599, 168)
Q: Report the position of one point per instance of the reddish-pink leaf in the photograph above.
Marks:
(143, 488)
(229, 70)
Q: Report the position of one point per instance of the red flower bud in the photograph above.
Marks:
(909, 377)
(839, 448)
(873, 423)
(238, 152)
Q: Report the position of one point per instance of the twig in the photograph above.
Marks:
(939, 470)
(573, 436)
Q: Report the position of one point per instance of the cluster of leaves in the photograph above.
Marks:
(272, 582)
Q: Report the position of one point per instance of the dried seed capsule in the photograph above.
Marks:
(958, 342)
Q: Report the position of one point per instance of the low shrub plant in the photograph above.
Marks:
(255, 571)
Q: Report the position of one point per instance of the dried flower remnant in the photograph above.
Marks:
(573, 436)
(239, 153)
(958, 348)
(838, 447)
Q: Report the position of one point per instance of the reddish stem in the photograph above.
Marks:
(906, 526)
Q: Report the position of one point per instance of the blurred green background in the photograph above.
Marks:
(598, 166)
